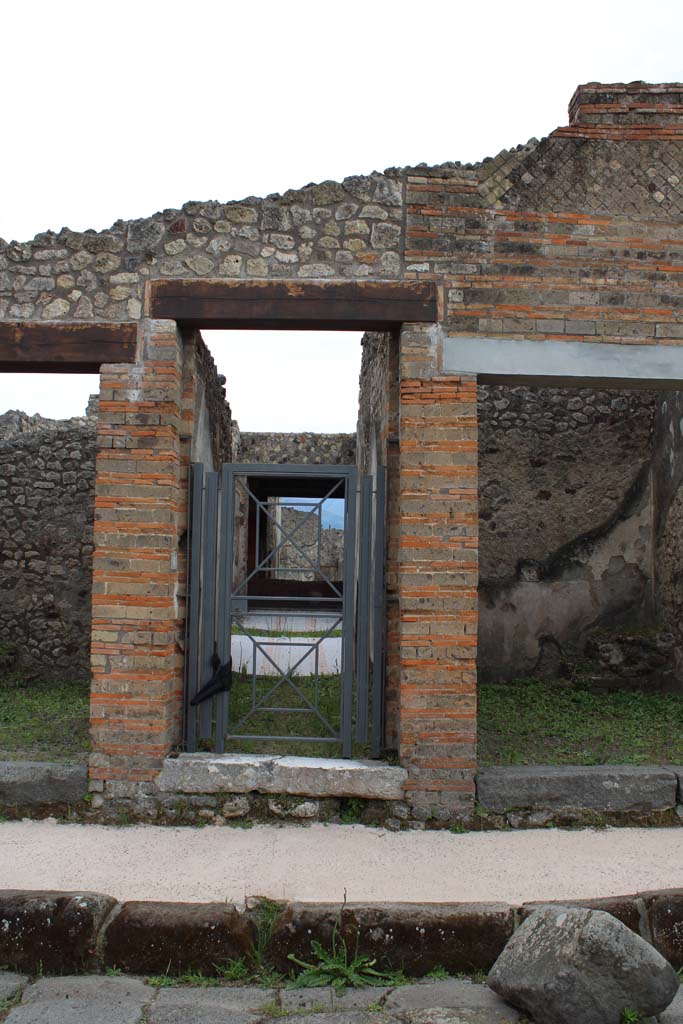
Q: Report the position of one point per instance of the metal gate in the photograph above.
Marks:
(285, 619)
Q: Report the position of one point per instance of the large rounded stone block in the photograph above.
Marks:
(568, 964)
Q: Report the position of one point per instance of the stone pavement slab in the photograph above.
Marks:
(475, 1003)
(212, 1006)
(10, 984)
(82, 1000)
(674, 1012)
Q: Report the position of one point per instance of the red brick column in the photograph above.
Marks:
(437, 575)
(137, 665)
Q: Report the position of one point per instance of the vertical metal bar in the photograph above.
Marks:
(226, 528)
(194, 583)
(208, 599)
(348, 605)
(378, 616)
(363, 610)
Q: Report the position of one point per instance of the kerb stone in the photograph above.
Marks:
(600, 788)
(36, 783)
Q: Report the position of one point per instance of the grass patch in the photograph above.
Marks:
(292, 718)
(287, 634)
(43, 720)
(534, 721)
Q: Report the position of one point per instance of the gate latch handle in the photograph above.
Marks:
(220, 681)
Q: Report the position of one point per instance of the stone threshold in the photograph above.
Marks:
(282, 775)
(89, 933)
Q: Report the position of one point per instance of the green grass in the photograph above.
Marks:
(532, 721)
(285, 724)
(41, 720)
(284, 634)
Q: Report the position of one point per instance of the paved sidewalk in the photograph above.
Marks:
(114, 1000)
(320, 863)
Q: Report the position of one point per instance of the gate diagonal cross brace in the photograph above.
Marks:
(288, 537)
(285, 677)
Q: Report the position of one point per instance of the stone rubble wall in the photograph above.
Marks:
(555, 464)
(47, 485)
(302, 448)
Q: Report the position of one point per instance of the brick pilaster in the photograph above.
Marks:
(437, 578)
(136, 697)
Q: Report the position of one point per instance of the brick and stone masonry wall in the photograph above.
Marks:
(47, 483)
(573, 238)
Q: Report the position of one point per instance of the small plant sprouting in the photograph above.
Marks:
(630, 1016)
(351, 810)
(439, 973)
(266, 914)
(337, 968)
(233, 970)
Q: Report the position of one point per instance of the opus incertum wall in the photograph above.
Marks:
(573, 242)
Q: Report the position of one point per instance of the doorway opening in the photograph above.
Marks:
(279, 588)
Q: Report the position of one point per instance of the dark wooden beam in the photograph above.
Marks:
(38, 347)
(294, 305)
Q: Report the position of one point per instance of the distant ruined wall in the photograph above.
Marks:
(303, 448)
(325, 545)
(47, 480)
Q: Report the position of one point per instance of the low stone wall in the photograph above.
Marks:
(81, 933)
(195, 789)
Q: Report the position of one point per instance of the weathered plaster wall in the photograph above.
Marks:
(566, 532)
(668, 508)
(47, 485)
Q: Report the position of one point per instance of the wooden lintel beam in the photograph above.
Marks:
(48, 347)
(294, 305)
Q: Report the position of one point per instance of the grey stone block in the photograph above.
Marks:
(210, 1005)
(38, 783)
(600, 788)
(10, 984)
(462, 996)
(300, 776)
(314, 1000)
(89, 1000)
(357, 998)
(673, 1013)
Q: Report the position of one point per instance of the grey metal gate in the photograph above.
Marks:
(282, 655)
